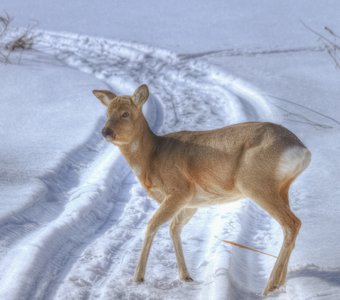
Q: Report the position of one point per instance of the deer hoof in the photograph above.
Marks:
(138, 279)
(187, 278)
(270, 288)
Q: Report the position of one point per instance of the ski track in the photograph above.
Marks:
(81, 238)
(52, 197)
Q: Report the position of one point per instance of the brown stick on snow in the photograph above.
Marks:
(249, 248)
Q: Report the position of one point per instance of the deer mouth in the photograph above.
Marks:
(113, 139)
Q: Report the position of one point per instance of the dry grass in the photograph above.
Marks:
(331, 42)
(333, 47)
(5, 21)
(22, 42)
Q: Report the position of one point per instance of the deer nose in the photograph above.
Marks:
(106, 131)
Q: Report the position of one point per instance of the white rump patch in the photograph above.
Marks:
(293, 161)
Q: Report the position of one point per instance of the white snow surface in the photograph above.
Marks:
(72, 214)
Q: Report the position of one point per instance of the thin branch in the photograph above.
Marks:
(331, 46)
(331, 31)
(320, 35)
(5, 21)
(333, 55)
(248, 248)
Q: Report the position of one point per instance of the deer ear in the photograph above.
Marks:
(104, 96)
(141, 95)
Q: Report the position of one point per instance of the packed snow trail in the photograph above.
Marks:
(86, 242)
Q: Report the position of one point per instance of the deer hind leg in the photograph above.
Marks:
(296, 226)
(277, 205)
(176, 226)
(290, 225)
(167, 210)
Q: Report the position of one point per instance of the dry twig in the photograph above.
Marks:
(5, 21)
(248, 248)
(331, 43)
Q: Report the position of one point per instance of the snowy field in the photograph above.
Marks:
(73, 215)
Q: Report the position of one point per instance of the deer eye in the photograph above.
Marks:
(125, 114)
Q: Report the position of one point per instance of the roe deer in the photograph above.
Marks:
(185, 170)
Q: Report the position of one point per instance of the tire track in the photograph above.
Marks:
(53, 196)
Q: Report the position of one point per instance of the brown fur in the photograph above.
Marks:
(185, 170)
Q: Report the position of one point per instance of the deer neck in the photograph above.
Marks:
(138, 153)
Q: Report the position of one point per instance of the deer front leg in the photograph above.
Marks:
(176, 226)
(170, 206)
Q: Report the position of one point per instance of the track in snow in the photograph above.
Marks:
(87, 242)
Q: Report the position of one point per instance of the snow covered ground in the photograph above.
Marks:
(72, 215)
